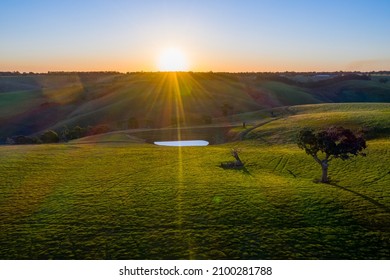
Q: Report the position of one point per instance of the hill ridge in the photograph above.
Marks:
(31, 104)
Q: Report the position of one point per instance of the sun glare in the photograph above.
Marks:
(172, 60)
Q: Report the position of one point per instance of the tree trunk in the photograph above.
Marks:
(324, 166)
(238, 160)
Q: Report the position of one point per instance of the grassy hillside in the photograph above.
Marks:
(373, 118)
(284, 94)
(31, 104)
(147, 202)
(113, 197)
(278, 125)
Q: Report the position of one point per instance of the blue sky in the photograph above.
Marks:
(262, 35)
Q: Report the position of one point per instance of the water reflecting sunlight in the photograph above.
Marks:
(182, 143)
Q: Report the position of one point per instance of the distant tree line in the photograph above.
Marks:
(76, 132)
(49, 136)
(64, 135)
(231, 75)
(311, 84)
(61, 73)
(93, 73)
(17, 73)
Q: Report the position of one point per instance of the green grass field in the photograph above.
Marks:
(111, 196)
(372, 117)
(139, 201)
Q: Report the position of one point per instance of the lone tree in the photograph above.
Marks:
(334, 142)
(233, 164)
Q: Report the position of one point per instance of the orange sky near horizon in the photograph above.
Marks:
(219, 36)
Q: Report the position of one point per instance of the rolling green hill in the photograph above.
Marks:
(114, 196)
(30, 104)
(119, 198)
(371, 118)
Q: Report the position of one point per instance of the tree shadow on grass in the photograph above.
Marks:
(379, 178)
(365, 197)
(242, 169)
(245, 171)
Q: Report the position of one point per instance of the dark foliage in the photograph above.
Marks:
(334, 142)
(22, 140)
(50, 136)
(79, 132)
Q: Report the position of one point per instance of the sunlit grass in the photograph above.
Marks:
(147, 202)
(374, 117)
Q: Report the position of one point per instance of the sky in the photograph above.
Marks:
(211, 35)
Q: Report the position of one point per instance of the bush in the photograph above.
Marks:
(22, 140)
(77, 132)
(50, 136)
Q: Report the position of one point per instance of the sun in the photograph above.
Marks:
(172, 59)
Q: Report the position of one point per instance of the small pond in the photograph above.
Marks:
(182, 143)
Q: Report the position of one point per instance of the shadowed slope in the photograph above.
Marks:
(31, 104)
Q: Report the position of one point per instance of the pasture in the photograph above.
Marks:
(31, 104)
(139, 201)
(372, 118)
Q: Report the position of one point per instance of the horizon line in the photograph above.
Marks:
(17, 72)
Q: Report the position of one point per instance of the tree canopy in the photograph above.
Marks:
(333, 142)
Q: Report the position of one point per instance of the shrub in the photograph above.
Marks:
(50, 136)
